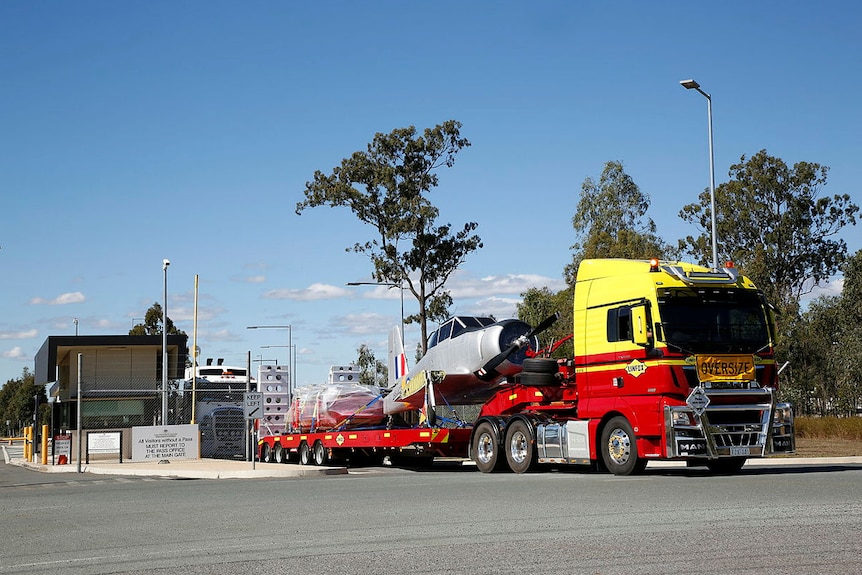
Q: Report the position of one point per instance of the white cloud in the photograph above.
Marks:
(62, 299)
(498, 307)
(31, 333)
(463, 286)
(313, 292)
(255, 279)
(831, 288)
(14, 353)
(364, 323)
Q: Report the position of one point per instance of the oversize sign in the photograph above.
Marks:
(725, 367)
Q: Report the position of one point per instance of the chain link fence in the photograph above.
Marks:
(121, 395)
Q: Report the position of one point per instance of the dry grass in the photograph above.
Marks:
(828, 436)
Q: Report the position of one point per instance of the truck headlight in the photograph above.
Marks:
(783, 414)
(682, 418)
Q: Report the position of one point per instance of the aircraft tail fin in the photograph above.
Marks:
(397, 367)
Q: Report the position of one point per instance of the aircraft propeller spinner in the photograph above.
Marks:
(488, 371)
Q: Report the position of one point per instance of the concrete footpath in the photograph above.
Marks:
(185, 468)
(227, 469)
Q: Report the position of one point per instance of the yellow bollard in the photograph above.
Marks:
(45, 433)
(27, 443)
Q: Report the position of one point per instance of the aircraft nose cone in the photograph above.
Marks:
(512, 331)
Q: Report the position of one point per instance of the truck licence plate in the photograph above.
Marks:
(737, 451)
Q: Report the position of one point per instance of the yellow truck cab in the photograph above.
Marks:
(676, 361)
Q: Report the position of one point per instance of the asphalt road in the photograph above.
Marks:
(767, 520)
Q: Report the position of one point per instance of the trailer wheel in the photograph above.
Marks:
(304, 454)
(726, 466)
(280, 454)
(619, 448)
(486, 448)
(265, 452)
(520, 447)
(320, 455)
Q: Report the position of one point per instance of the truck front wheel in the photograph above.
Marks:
(619, 448)
(486, 448)
(520, 447)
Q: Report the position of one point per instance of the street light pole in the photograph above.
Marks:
(692, 85)
(165, 264)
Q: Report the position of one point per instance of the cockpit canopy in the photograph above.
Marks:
(455, 326)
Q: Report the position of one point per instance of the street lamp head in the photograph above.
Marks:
(689, 84)
(165, 264)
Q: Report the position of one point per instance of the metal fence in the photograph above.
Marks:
(217, 409)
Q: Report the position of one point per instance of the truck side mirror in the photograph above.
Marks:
(640, 328)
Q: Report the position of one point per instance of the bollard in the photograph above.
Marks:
(45, 445)
(27, 447)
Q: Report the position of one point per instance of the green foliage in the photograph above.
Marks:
(825, 350)
(386, 187)
(772, 222)
(17, 403)
(539, 303)
(371, 370)
(153, 323)
(611, 221)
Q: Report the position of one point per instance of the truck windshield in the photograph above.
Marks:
(713, 320)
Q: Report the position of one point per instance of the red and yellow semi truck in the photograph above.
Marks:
(672, 361)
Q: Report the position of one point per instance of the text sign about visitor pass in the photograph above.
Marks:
(165, 442)
(253, 405)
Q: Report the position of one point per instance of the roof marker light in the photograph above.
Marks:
(653, 264)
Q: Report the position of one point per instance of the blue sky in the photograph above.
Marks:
(138, 131)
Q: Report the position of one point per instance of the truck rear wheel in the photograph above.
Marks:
(520, 447)
(486, 448)
(304, 454)
(320, 455)
(619, 448)
(265, 453)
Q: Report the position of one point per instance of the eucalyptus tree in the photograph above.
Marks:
(152, 324)
(773, 223)
(387, 187)
(611, 221)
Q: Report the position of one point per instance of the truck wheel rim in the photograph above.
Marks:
(484, 449)
(518, 447)
(619, 446)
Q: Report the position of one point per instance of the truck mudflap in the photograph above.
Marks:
(710, 427)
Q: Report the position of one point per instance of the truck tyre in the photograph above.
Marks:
(726, 466)
(520, 447)
(319, 453)
(538, 379)
(280, 454)
(619, 448)
(265, 452)
(486, 448)
(540, 365)
(304, 454)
